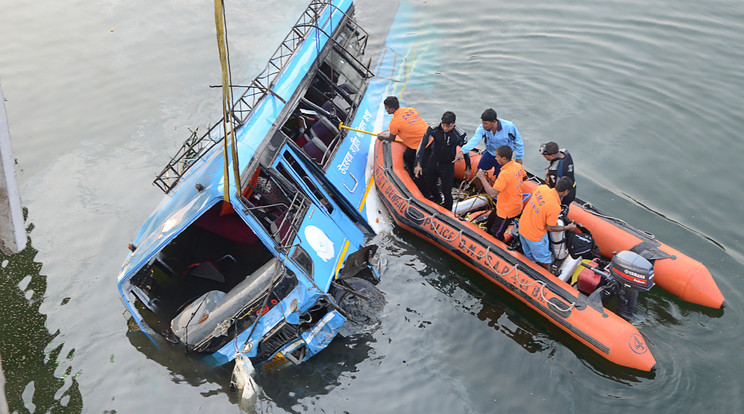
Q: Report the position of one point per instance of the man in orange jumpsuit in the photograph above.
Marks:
(507, 190)
(407, 125)
(540, 216)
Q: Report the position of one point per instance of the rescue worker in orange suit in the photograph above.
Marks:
(438, 147)
(540, 216)
(407, 125)
(507, 190)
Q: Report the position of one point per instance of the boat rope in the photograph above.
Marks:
(542, 284)
(514, 268)
(536, 180)
(460, 193)
(504, 273)
(381, 164)
(408, 209)
(587, 206)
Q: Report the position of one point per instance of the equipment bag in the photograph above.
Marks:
(581, 244)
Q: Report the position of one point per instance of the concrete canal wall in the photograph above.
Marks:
(12, 230)
(3, 402)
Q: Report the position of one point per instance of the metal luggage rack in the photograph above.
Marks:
(195, 146)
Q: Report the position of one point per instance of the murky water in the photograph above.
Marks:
(645, 95)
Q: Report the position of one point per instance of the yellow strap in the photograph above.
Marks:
(342, 126)
(230, 144)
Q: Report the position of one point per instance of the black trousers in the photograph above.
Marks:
(497, 225)
(409, 161)
(444, 172)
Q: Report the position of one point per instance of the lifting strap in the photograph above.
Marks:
(230, 142)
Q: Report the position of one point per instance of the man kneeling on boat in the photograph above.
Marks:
(540, 216)
(507, 190)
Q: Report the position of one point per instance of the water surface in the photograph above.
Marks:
(645, 95)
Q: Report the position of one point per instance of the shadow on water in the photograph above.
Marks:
(184, 367)
(38, 368)
(286, 387)
(282, 387)
(668, 310)
(525, 327)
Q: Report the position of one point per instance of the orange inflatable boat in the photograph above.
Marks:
(581, 315)
(674, 272)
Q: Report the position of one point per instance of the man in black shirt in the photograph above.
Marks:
(561, 165)
(437, 155)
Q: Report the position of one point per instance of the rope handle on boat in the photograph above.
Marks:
(408, 213)
(515, 268)
(571, 305)
(587, 206)
(462, 244)
(407, 199)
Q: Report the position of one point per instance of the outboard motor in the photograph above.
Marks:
(633, 274)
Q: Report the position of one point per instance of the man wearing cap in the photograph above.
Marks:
(561, 165)
(496, 132)
(540, 216)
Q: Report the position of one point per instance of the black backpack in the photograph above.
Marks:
(581, 244)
